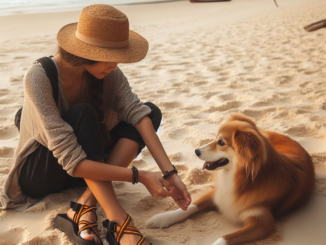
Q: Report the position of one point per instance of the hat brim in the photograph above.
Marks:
(136, 50)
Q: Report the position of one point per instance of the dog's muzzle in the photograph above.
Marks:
(214, 165)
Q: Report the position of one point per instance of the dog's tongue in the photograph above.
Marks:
(205, 164)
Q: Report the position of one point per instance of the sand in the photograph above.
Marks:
(205, 61)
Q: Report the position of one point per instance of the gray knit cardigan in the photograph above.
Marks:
(41, 123)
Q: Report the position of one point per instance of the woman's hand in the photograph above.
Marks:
(155, 184)
(179, 191)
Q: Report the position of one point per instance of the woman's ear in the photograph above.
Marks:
(250, 147)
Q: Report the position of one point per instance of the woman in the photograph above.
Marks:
(80, 140)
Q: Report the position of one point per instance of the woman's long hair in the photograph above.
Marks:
(96, 85)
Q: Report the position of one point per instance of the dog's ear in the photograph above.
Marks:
(243, 118)
(250, 146)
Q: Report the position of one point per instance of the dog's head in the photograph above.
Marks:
(239, 142)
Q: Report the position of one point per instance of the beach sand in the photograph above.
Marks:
(205, 61)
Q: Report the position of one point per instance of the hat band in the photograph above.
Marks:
(101, 43)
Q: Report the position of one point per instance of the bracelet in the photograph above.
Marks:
(168, 173)
(135, 175)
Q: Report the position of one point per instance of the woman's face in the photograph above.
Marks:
(101, 69)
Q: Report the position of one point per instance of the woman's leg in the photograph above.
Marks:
(83, 119)
(128, 144)
(42, 175)
(122, 154)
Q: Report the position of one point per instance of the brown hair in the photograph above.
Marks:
(96, 85)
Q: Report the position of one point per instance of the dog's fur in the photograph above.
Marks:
(267, 176)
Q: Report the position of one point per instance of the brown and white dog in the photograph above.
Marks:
(262, 176)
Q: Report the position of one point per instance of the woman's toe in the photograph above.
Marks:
(89, 236)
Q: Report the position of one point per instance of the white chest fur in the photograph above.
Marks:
(224, 197)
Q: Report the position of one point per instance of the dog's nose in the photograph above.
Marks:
(197, 151)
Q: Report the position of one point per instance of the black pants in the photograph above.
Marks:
(41, 174)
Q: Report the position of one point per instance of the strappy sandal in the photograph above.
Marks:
(70, 227)
(124, 229)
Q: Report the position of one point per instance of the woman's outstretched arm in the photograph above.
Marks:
(148, 134)
(92, 170)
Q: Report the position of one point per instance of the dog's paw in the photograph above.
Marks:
(220, 241)
(161, 220)
(169, 218)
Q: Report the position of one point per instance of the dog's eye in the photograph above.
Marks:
(221, 142)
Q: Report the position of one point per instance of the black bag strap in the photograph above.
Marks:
(52, 73)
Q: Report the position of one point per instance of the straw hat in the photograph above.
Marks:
(102, 34)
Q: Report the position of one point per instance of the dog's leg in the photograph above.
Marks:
(259, 223)
(169, 218)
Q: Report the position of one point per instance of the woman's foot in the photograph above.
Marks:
(123, 232)
(87, 234)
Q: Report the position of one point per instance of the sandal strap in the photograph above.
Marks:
(126, 229)
(88, 225)
(80, 210)
(124, 225)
